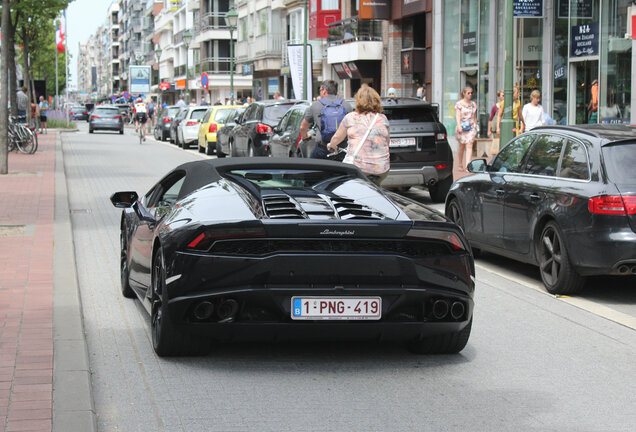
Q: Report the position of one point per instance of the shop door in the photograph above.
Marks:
(583, 74)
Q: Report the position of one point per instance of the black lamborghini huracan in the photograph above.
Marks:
(266, 248)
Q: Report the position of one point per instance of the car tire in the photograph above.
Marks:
(557, 273)
(447, 343)
(439, 191)
(90, 130)
(126, 290)
(454, 213)
(201, 149)
(208, 148)
(166, 340)
(232, 150)
(164, 137)
(250, 150)
(121, 131)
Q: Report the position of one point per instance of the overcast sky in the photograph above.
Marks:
(83, 17)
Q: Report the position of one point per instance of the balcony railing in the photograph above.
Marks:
(216, 64)
(354, 30)
(269, 45)
(211, 21)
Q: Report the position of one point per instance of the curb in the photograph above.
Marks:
(73, 406)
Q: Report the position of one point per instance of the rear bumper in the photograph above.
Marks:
(603, 252)
(414, 176)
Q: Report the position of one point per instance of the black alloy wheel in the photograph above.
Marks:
(454, 213)
(126, 290)
(166, 340)
(557, 273)
(232, 150)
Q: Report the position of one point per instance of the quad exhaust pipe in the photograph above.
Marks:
(443, 308)
(227, 310)
(440, 309)
(203, 310)
(457, 310)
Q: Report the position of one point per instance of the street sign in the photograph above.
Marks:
(204, 80)
(140, 78)
(126, 95)
(113, 98)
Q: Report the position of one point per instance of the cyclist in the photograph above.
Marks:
(140, 111)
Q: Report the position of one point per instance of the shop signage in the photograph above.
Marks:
(531, 48)
(174, 4)
(559, 72)
(248, 68)
(163, 85)
(348, 70)
(584, 40)
(580, 8)
(139, 79)
(527, 8)
(469, 42)
(295, 54)
(634, 26)
(375, 9)
(339, 68)
(180, 84)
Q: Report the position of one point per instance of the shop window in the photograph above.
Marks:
(469, 27)
(451, 82)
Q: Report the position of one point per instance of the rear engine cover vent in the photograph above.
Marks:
(281, 207)
(349, 209)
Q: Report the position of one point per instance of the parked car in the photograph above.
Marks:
(213, 120)
(78, 112)
(124, 109)
(223, 135)
(175, 123)
(161, 130)
(251, 136)
(106, 117)
(188, 127)
(286, 140)
(420, 153)
(560, 197)
(256, 248)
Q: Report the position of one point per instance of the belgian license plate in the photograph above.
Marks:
(336, 308)
(402, 142)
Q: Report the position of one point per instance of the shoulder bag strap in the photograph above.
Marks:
(364, 139)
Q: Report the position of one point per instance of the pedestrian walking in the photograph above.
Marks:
(44, 110)
(466, 129)
(533, 112)
(493, 132)
(181, 102)
(517, 115)
(327, 112)
(22, 101)
(368, 133)
(151, 112)
(35, 114)
(204, 102)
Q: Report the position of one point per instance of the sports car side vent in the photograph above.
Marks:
(281, 207)
(349, 209)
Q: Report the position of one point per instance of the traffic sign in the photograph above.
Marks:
(204, 80)
(126, 95)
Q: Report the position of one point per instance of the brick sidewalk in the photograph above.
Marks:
(26, 289)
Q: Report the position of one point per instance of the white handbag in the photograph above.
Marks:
(349, 158)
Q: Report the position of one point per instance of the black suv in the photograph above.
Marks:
(251, 136)
(420, 154)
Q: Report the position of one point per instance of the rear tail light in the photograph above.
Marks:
(192, 123)
(449, 237)
(212, 128)
(85, 113)
(117, 117)
(96, 116)
(167, 120)
(204, 240)
(263, 128)
(440, 166)
(612, 205)
(440, 136)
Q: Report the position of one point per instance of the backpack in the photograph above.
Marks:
(331, 116)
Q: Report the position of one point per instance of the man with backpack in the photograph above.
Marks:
(327, 112)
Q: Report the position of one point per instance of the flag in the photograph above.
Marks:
(59, 35)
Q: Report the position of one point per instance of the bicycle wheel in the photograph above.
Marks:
(27, 144)
(141, 135)
(12, 141)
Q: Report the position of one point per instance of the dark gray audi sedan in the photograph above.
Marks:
(106, 118)
(560, 197)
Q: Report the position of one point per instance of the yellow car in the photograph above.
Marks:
(213, 120)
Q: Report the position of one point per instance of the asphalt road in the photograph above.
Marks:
(533, 363)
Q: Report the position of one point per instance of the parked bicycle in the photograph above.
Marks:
(22, 137)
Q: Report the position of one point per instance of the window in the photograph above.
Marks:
(206, 118)
(574, 163)
(285, 121)
(197, 114)
(171, 195)
(620, 160)
(263, 18)
(166, 193)
(543, 157)
(510, 157)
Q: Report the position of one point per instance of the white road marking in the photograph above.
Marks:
(579, 302)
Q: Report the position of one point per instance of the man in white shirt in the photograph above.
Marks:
(141, 115)
(533, 112)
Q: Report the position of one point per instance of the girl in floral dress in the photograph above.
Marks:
(466, 130)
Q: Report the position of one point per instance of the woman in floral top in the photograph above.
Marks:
(373, 158)
(466, 130)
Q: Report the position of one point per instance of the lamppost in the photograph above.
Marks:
(158, 57)
(187, 37)
(230, 20)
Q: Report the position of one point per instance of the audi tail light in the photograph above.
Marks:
(612, 205)
(204, 240)
(192, 123)
(95, 116)
(263, 128)
(212, 128)
(167, 120)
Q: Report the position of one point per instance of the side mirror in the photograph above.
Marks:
(124, 199)
(477, 166)
(276, 129)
